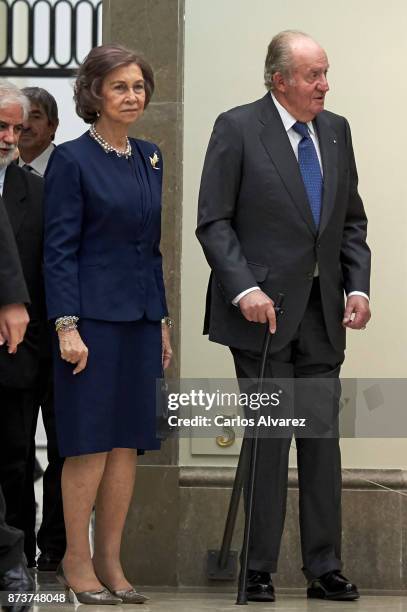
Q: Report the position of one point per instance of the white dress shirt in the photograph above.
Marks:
(294, 138)
(2, 178)
(39, 164)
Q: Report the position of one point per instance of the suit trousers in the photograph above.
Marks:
(11, 541)
(309, 354)
(17, 408)
(18, 417)
(51, 538)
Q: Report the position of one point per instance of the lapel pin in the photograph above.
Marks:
(334, 141)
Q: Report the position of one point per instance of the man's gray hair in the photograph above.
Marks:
(279, 55)
(11, 94)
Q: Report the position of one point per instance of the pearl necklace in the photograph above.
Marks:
(108, 148)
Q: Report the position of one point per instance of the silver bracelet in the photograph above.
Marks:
(67, 323)
(167, 321)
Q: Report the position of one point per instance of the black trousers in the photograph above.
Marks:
(11, 541)
(18, 421)
(17, 410)
(51, 537)
(309, 354)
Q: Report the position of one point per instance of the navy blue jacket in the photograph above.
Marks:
(102, 257)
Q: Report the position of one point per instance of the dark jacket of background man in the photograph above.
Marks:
(22, 197)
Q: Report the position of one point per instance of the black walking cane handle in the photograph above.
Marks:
(278, 306)
(278, 309)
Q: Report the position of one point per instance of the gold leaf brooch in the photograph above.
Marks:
(154, 161)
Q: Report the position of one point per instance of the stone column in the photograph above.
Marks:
(156, 29)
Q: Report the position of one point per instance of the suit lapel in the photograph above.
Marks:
(329, 155)
(276, 142)
(149, 162)
(14, 196)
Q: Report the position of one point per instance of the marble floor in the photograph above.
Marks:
(179, 600)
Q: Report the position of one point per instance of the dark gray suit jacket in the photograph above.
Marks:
(13, 289)
(256, 227)
(22, 200)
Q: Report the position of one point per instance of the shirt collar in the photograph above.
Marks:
(2, 178)
(39, 164)
(287, 119)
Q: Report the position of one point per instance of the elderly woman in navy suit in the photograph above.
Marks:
(105, 292)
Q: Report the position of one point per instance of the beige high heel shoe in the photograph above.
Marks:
(127, 596)
(102, 597)
(130, 596)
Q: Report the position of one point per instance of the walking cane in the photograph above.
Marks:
(242, 588)
(222, 564)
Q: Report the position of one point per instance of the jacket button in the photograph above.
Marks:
(310, 275)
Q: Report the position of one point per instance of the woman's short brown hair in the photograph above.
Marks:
(93, 70)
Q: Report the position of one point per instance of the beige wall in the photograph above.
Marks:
(225, 45)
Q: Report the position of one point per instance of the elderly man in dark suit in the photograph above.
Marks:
(279, 211)
(22, 199)
(13, 323)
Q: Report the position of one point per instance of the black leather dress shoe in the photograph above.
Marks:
(333, 586)
(17, 580)
(260, 587)
(47, 562)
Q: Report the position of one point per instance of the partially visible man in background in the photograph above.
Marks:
(13, 323)
(36, 141)
(36, 146)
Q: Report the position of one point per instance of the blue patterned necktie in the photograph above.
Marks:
(310, 170)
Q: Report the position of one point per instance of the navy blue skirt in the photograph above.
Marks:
(112, 403)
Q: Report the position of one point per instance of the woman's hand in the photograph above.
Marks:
(73, 349)
(166, 344)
